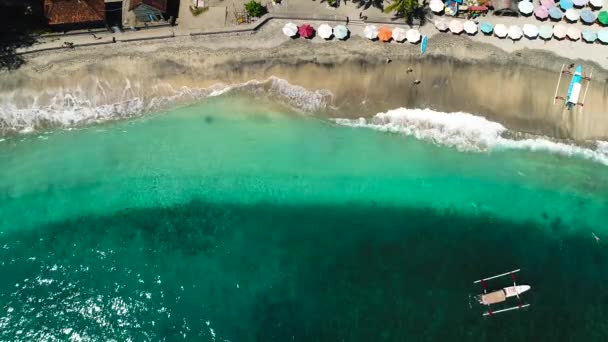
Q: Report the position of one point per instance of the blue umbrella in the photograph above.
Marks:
(555, 13)
(589, 35)
(566, 4)
(341, 32)
(587, 16)
(603, 36)
(486, 27)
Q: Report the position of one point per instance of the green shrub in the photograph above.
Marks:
(255, 9)
(198, 10)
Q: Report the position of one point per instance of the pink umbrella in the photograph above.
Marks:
(306, 31)
(541, 12)
(547, 3)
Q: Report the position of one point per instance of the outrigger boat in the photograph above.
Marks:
(574, 90)
(502, 295)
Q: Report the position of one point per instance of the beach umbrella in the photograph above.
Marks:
(566, 4)
(547, 3)
(340, 32)
(413, 36)
(530, 31)
(470, 27)
(541, 12)
(525, 7)
(486, 27)
(602, 18)
(306, 31)
(399, 34)
(580, 3)
(602, 36)
(555, 13)
(441, 25)
(456, 26)
(325, 31)
(587, 16)
(559, 31)
(573, 33)
(572, 14)
(290, 30)
(437, 6)
(545, 32)
(385, 34)
(596, 3)
(589, 35)
(370, 32)
(501, 31)
(515, 32)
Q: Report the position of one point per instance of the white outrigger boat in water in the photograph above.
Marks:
(501, 295)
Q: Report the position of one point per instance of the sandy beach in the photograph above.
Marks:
(457, 74)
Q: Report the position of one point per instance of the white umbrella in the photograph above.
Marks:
(559, 31)
(370, 32)
(597, 3)
(573, 33)
(515, 32)
(525, 7)
(325, 31)
(501, 31)
(441, 25)
(470, 27)
(413, 36)
(437, 6)
(290, 30)
(456, 26)
(572, 14)
(530, 31)
(399, 34)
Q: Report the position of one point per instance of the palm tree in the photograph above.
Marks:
(408, 9)
(368, 3)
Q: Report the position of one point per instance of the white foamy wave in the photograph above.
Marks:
(103, 102)
(467, 132)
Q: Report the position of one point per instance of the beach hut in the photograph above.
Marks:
(306, 31)
(545, 32)
(370, 32)
(525, 7)
(325, 31)
(573, 33)
(470, 27)
(515, 32)
(559, 31)
(596, 3)
(456, 26)
(602, 18)
(555, 13)
(413, 36)
(501, 31)
(547, 3)
(602, 36)
(437, 6)
(587, 16)
(341, 32)
(589, 36)
(399, 34)
(541, 13)
(486, 27)
(441, 25)
(566, 4)
(530, 31)
(572, 15)
(385, 34)
(290, 30)
(580, 3)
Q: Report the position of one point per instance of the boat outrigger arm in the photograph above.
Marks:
(502, 294)
(574, 90)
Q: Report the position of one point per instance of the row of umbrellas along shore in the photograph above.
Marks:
(529, 31)
(371, 32)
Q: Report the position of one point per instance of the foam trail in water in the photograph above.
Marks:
(467, 132)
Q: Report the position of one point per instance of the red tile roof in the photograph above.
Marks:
(74, 11)
(161, 5)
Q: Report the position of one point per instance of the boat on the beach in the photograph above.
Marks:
(501, 295)
(574, 89)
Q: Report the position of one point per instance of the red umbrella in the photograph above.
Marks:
(306, 31)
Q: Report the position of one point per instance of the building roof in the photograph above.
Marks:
(160, 5)
(60, 12)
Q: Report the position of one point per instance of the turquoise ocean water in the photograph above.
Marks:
(231, 221)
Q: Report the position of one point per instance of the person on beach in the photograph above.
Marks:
(347, 20)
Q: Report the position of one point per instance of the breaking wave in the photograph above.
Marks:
(468, 132)
(103, 101)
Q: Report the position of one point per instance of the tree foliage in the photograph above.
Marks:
(255, 9)
(408, 9)
(368, 3)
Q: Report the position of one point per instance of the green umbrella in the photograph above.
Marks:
(341, 32)
(603, 17)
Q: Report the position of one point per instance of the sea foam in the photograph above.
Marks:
(468, 132)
